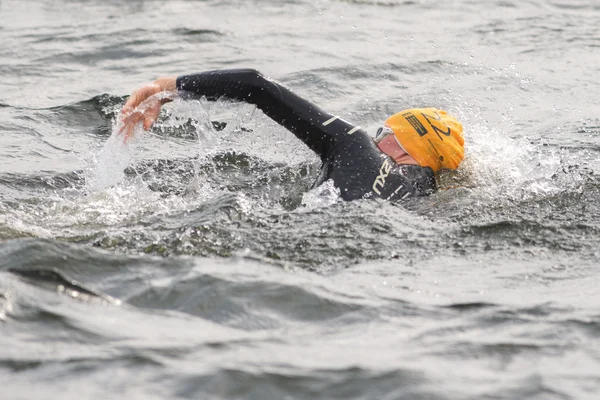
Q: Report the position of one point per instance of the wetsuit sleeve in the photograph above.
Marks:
(308, 122)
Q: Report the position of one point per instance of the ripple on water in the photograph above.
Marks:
(235, 279)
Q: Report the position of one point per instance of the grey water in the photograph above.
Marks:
(197, 263)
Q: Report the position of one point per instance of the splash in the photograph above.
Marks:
(108, 166)
(499, 164)
(322, 196)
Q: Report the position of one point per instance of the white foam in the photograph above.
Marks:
(108, 166)
(501, 162)
(322, 196)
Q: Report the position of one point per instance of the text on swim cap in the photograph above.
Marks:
(421, 129)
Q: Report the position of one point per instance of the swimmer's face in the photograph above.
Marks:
(386, 142)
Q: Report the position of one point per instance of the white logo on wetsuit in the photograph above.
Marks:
(384, 171)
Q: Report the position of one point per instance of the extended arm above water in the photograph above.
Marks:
(321, 131)
(315, 127)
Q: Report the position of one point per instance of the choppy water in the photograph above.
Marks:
(195, 263)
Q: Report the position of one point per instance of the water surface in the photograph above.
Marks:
(196, 263)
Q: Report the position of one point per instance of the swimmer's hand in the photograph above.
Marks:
(144, 105)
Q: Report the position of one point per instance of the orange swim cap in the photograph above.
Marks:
(430, 136)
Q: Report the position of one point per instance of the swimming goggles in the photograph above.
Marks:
(383, 132)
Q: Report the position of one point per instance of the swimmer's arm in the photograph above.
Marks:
(318, 129)
(321, 131)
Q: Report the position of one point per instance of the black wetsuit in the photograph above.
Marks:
(350, 157)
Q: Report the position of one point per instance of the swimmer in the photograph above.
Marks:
(399, 162)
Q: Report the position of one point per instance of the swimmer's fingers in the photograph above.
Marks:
(127, 133)
(144, 106)
(128, 125)
(165, 84)
(146, 113)
(138, 97)
(129, 122)
(151, 114)
(131, 118)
